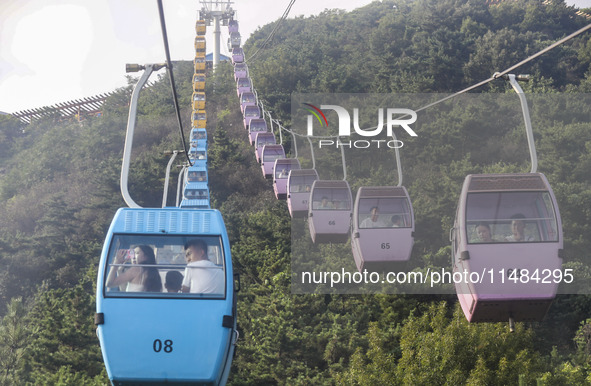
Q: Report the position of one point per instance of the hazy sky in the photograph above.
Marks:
(58, 50)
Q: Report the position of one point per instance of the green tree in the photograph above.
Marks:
(15, 337)
(65, 341)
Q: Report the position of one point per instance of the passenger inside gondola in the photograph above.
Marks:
(282, 173)
(196, 194)
(201, 275)
(257, 127)
(141, 276)
(384, 212)
(338, 204)
(247, 97)
(518, 229)
(173, 282)
(323, 204)
(397, 221)
(484, 233)
(375, 220)
(515, 217)
(199, 176)
(197, 135)
(300, 188)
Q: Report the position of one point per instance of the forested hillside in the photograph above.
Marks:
(59, 188)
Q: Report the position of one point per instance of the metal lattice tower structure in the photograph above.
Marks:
(215, 11)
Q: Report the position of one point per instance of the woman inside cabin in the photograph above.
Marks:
(138, 277)
(484, 233)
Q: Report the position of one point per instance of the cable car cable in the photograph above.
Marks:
(283, 17)
(169, 70)
(499, 74)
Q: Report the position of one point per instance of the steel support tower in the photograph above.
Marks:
(215, 11)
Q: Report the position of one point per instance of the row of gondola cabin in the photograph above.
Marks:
(237, 55)
(255, 127)
(247, 98)
(240, 71)
(260, 141)
(507, 226)
(383, 227)
(199, 82)
(198, 100)
(250, 113)
(200, 27)
(199, 64)
(200, 45)
(268, 156)
(196, 189)
(234, 40)
(243, 85)
(142, 327)
(329, 212)
(281, 170)
(299, 186)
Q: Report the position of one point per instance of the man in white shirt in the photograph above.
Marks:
(201, 275)
(374, 221)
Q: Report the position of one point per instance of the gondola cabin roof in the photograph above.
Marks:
(167, 221)
(512, 182)
(382, 191)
